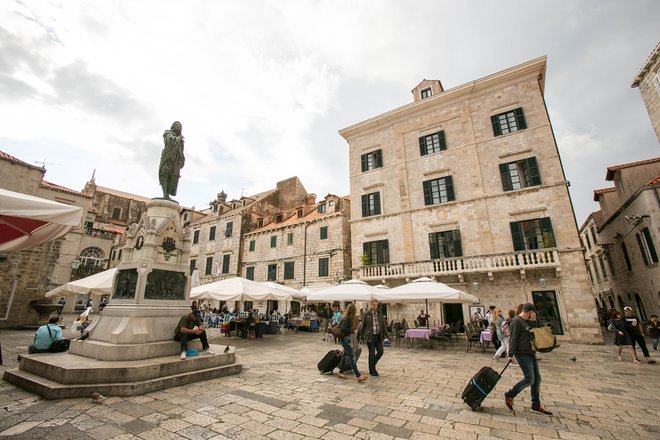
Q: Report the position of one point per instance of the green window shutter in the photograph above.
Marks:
(520, 118)
(458, 248)
(517, 237)
(449, 184)
(386, 252)
(363, 159)
(641, 249)
(433, 245)
(428, 200)
(365, 250)
(534, 175)
(365, 205)
(376, 203)
(441, 138)
(649, 244)
(379, 158)
(497, 130)
(422, 146)
(547, 233)
(506, 177)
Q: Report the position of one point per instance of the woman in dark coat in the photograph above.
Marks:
(621, 336)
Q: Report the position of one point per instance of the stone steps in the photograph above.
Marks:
(64, 375)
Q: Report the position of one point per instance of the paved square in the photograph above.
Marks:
(281, 395)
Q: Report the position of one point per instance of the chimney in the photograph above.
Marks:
(222, 197)
(311, 199)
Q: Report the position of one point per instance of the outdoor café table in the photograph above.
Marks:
(485, 337)
(418, 333)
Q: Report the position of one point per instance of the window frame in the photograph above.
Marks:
(272, 269)
(371, 160)
(289, 270)
(289, 239)
(439, 249)
(212, 233)
(378, 248)
(273, 241)
(522, 241)
(433, 190)
(251, 245)
(427, 140)
(195, 236)
(426, 93)
(503, 121)
(371, 204)
(249, 273)
(323, 233)
(229, 229)
(527, 174)
(208, 268)
(324, 267)
(226, 258)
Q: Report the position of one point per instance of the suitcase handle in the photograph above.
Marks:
(505, 367)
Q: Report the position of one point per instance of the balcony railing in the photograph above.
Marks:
(85, 271)
(536, 259)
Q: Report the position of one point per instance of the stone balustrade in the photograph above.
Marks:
(534, 259)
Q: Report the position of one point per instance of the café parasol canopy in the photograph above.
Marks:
(97, 284)
(295, 294)
(351, 290)
(236, 289)
(28, 221)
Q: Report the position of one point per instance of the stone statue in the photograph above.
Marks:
(171, 160)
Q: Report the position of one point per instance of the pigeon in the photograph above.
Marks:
(573, 359)
(96, 397)
(226, 349)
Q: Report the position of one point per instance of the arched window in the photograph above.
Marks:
(640, 307)
(92, 257)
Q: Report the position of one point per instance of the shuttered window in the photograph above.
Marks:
(377, 252)
(532, 234)
(372, 160)
(445, 244)
(370, 204)
(323, 267)
(225, 263)
(520, 174)
(508, 122)
(249, 273)
(288, 270)
(438, 190)
(432, 143)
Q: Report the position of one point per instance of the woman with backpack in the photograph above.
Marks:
(503, 332)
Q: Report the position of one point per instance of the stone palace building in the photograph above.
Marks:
(466, 185)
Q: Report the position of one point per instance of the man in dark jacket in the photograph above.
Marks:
(633, 326)
(189, 328)
(373, 329)
(520, 346)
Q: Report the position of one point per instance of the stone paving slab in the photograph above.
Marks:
(281, 395)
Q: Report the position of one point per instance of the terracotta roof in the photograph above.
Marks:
(598, 192)
(654, 181)
(611, 170)
(12, 159)
(123, 194)
(647, 66)
(60, 188)
(294, 219)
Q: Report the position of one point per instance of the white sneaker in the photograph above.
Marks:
(183, 355)
(208, 352)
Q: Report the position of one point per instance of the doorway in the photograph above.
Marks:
(547, 309)
(453, 313)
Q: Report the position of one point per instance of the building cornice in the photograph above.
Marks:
(536, 66)
(627, 203)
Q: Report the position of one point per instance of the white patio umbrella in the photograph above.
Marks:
(351, 290)
(425, 289)
(236, 289)
(27, 221)
(97, 284)
(286, 290)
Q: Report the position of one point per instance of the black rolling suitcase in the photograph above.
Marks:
(329, 361)
(480, 386)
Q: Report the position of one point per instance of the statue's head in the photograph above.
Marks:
(176, 127)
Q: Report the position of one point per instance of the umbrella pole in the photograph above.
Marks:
(427, 312)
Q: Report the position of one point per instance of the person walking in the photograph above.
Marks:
(621, 336)
(633, 326)
(503, 330)
(653, 330)
(374, 331)
(520, 347)
(348, 326)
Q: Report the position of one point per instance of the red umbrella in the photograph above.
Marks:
(27, 221)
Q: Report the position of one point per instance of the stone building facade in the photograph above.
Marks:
(466, 186)
(625, 245)
(217, 239)
(648, 82)
(305, 246)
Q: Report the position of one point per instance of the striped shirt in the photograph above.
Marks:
(376, 323)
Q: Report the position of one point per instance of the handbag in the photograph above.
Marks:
(337, 332)
(57, 345)
(543, 340)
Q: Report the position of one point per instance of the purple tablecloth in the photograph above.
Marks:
(418, 333)
(486, 336)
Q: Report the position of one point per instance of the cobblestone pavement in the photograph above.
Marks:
(281, 395)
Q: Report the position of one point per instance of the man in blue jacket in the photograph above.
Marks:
(44, 338)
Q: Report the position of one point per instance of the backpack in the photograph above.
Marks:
(505, 328)
(542, 339)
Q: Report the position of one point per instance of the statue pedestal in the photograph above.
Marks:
(132, 342)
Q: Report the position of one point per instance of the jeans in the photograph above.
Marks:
(530, 368)
(375, 351)
(185, 337)
(349, 356)
(655, 343)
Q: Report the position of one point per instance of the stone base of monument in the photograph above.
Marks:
(65, 375)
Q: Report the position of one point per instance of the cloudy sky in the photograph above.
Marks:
(262, 87)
